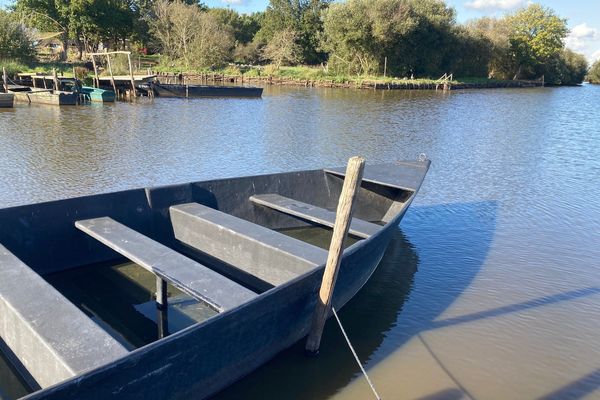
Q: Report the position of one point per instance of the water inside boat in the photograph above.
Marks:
(121, 299)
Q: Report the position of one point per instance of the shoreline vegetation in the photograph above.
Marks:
(379, 44)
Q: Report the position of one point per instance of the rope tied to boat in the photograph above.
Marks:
(355, 355)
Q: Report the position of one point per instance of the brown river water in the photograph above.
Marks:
(490, 288)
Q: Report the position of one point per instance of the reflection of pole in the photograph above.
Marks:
(343, 217)
(112, 78)
(162, 308)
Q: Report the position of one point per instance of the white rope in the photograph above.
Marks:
(355, 355)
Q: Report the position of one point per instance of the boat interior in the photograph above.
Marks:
(87, 280)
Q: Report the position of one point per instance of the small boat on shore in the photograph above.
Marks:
(191, 91)
(223, 243)
(7, 100)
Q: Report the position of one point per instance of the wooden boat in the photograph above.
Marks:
(190, 91)
(31, 95)
(221, 242)
(98, 95)
(6, 100)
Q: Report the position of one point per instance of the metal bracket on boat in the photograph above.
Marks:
(422, 157)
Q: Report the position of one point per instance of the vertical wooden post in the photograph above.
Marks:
(131, 75)
(384, 66)
(162, 307)
(96, 79)
(112, 78)
(5, 80)
(354, 173)
(55, 79)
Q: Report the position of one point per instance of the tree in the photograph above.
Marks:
(565, 68)
(188, 34)
(283, 48)
(496, 33)
(243, 26)
(594, 73)
(415, 35)
(300, 16)
(536, 35)
(15, 41)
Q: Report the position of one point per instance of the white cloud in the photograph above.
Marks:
(584, 39)
(234, 2)
(495, 5)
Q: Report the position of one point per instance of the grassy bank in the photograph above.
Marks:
(299, 75)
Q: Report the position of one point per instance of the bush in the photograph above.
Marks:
(566, 68)
(15, 41)
(594, 73)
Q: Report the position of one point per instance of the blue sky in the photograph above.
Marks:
(583, 16)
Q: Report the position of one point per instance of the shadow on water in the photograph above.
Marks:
(577, 389)
(450, 241)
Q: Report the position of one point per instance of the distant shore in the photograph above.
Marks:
(372, 83)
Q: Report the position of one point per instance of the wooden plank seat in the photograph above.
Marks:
(50, 337)
(309, 212)
(184, 273)
(270, 256)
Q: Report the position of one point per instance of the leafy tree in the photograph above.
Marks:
(496, 33)
(283, 48)
(594, 73)
(190, 35)
(565, 68)
(415, 35)
(537, 34)
(300, 16)
(15, 41)
(243, 26)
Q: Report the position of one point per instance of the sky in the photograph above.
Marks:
(583, 16)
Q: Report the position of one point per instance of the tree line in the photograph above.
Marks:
(402, 38)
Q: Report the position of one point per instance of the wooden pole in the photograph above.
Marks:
(162, 307)
(96, 79)
(5, 79)
(131, 75)
(55, 79)
(384, 66)
(112, 78)
(354, 173)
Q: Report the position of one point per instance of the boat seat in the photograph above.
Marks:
(51, 338)
(270, 256)
(184, 273)
(358, 227)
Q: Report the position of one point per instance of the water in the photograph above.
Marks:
(490, 289)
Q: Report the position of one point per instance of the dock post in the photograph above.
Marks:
(162, 307)
(352, 181)
(112, 78)
(55, 79)
(4, 80)
(133, 93)
(96, 79)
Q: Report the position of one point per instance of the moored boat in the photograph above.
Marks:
(43, 96)
(221, 242)
(6, 100)
(98, 95)
(190, 91)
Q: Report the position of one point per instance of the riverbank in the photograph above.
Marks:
(373, 83)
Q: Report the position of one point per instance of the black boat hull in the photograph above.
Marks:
(206, 357)
(192, 91)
